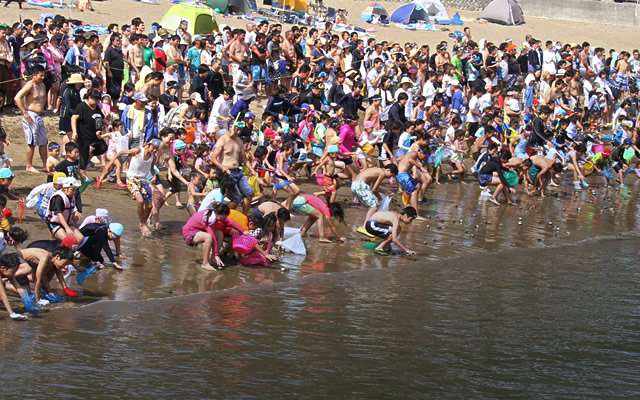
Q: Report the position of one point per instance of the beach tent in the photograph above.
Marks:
(294, 5)
(200, 19)
(505, 12)
(434, 8)
(409, 13)
(227, 6)
(373, 9)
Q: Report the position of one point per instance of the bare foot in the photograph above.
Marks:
(32, 170)
(179, 205)
(145, 230)
(159, 227)
(419, 218)
(324, 240)
(207, 267)
(494, 201)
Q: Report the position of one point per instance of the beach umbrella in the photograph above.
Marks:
(372, 10)
(409, 13)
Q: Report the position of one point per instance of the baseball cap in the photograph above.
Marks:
(116, 228)
(375, 97)
(368, 124)
(69, 182)
(333, 149)
(249, 115)
(196, 96)
(6, 173)
(69, 241)
(155, 142)
(627, 141)
(455, 82)
(140, 97)
(173, 84)
(179, 145)
(58, 176)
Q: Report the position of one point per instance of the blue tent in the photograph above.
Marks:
(409, 13)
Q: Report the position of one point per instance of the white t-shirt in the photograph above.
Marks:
(371, 76)
(428, 91)
(474, 104)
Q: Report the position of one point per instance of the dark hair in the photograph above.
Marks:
(283, 214)
(256, 219)
(71, 146)
(403, 96)
(260, 151)
(528, 163)
(336, 211)
(64, 253)
(227, 185)
(409, 212)
(18, 235)
(37, 69)
(221, 209)
(392, 168)
(557, 167)
(166, 132)
(116, 123)
(10, 260)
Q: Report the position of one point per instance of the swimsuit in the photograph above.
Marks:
(408, 182)
(364, 194)
(377, 229)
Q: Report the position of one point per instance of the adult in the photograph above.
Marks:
(31, 100)
(87, 126)
(226, 156)
(114, 65)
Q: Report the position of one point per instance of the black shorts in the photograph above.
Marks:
(475, 155)
(346, 161)
(175, 185)
(99, 148)
(377, 229)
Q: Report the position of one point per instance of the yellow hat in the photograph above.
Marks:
(58, 175)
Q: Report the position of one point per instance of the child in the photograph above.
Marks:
(9, 262)
(263, 179)
(318, 142)
(175, 170)
(387, 225)
(267, 121)
(418, 109)
(105, 107)
(53, 160)
(330, 180)
(194, 189)
(202, 158)
(282, 179)
(457, 158)
(181, 134)
(5, 161)
(6, 178)
(127, 97)
(118, 142)
(211, 181)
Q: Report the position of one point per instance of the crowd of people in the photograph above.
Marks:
(232, 119)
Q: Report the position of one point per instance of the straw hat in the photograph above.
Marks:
(406, 80)
(27, 41)
(75, 78)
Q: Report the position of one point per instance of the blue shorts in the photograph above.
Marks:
(409, 184)
(242, 188)
(259, 74)
(484, 179)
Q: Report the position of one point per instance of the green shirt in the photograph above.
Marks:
(147, 53)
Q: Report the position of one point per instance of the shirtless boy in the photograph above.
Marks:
(538, 171)
(386, 225)
(409, 183)
(366, 187)
(31, 101)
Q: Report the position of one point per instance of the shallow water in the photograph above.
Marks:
(488, 309)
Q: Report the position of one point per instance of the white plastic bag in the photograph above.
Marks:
(294, 244)
(385, 203)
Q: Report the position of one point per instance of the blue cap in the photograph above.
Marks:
(248, 115)
(6, 173)
(333, 149)
(304, 105)
(116, 228)
(140, 97)
(626, 141)
(179, 145)
(155, 142)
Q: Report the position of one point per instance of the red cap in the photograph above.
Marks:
(606, 153)
(69, 241)
(7, 213)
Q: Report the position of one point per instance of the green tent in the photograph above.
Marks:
(200, 19)
(220, 6)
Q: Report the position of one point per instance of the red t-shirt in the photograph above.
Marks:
(161, 59)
